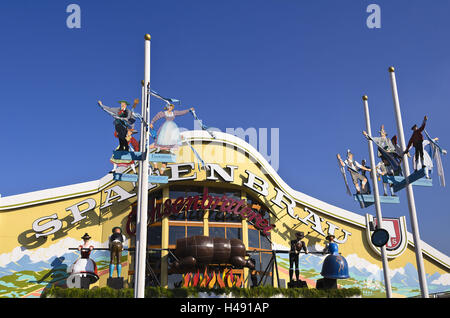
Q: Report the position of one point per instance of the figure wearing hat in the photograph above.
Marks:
(296, 246)
(383, 142)
(86, 248)
(116, 241)
(353, 166)
(416, 141)
(383, 169)
(334, 266)
(392, 153)
(124, 120)
(331, 246)
(85, 267)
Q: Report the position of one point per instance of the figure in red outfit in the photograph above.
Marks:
(86, 248)
(85, 266)
(416, 141)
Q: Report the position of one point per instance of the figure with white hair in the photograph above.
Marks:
(352, 167)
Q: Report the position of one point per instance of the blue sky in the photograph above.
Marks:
(300, 66)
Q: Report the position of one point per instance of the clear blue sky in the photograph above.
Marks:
(300, 66)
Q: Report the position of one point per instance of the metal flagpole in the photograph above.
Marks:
(141, 223)
(409, 189)
(387, 278)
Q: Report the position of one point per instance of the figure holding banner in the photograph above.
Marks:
(352, 167)
(124, 120)
(388, 150)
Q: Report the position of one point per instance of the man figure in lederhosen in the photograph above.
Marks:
(116, 241)
(296, 246)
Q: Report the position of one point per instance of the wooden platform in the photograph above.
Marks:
(162, 157)
(127, 155)
(152, 157)
(416, 178)
(134, 178)
(367, 200)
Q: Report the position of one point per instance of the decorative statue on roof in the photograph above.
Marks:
(126, 163)
(435, 151)
(388, 150)
(384, 169)
(124, 120)
(353, 166)
(116, 241)
(416, 141)
(297, 245)
(168, 137)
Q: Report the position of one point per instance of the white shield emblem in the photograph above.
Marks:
(396, 228)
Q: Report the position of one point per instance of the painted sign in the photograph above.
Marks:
(396, 228)
(47, 225)
(51, 224)
(227, 205)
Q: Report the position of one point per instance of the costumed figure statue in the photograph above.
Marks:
(296, 246)
(124, 164)
(334, 266)
(388, 150)
(116, 241)
(124, 120)
(427, 162)
(168, 137)
(383, 169)
(85, 266)
(416, 141)
(352, 167)
(435, 151)
(363, 173)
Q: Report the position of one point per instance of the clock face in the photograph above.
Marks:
(380, 237)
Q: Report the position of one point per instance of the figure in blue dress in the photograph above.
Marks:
(334, 266)
(168, 137)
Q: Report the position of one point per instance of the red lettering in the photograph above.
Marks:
(157, 211)
(261, 223)
(206, 198)
(152, 211)
(238, 205)
(167, 207)
(252, 215)
(178, 205)
(215, 202)
(227, 204)
(190, 200)
(267, 229)
(245, 211)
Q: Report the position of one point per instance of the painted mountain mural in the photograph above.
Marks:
(369, 277)
(26, 273)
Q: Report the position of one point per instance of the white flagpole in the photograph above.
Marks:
(387, 278)
(409, 189)
(141, 223)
